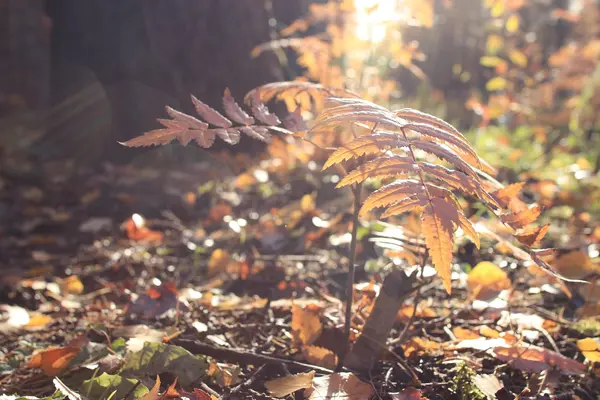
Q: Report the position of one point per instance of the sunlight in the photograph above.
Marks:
(373, 18)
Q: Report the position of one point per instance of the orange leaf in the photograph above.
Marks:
(54, 361)
(533, 236)
(153, 394)
(521, 219)
(320, 356)
(306, 325)
(437, 222)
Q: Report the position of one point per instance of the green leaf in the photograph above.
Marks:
(156, 358)
(102, 386)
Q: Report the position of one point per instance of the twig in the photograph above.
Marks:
(351, 274)
(241, 356)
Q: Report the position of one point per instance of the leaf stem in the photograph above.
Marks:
(351, 274)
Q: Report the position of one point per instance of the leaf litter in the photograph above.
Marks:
(111, 293)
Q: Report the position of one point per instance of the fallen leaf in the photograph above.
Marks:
(489, 385)
(54, 361)
(487, 280)
(153, 393)
(574, 265)
(464, 334)
(320, 356)
(342, 385)
(289, 384)
(409, 393)
(306, 325)
(416, 345)
(590, 348)
(218, 262)
(97, 387)
(136, 230)
(537, 359)
(72, 285)
(38, 321)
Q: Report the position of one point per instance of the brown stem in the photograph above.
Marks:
(351, 273)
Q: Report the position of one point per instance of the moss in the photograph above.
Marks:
(587, 327)
(463, 383)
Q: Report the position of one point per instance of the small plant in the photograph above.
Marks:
(382, 144)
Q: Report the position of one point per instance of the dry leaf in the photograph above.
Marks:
(489, 385)
(72, 285)
(218, 262)
(306, 325)
(464, 334)
(135, 228)
(590, 348)
(320, 356)
(409, 393)
(487, 280)
(343, 385)
(533, 236)
(417, 344)
(153, 394)
(574, 265)
(54, 361)
(537, 359)
(287, 385)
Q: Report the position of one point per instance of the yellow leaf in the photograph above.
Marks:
(490, 61)
(72, 285)
(437, 222)
(518, 57)
(38, 321)
(307, 204)
(218, 262)
(497, 83)
(487, 280)
(498, 9)
(512, 24)
(590, 349)
(494, 43)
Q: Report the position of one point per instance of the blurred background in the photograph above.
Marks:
(520, 77)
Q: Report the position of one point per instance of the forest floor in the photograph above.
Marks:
(227, 280)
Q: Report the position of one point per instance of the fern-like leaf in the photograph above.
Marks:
(210, 115)
(438, 220)
(371, 144)
(234, 111)
(386, 166)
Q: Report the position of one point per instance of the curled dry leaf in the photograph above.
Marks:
(533, 236)
(537, 359)
(282, 387)
(487, 280)
(306, 325)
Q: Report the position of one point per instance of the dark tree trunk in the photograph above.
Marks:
(115, 65)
